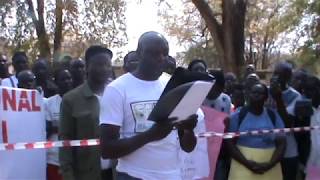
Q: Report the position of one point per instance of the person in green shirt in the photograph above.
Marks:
(79, 119)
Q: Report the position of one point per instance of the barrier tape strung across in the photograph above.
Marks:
(94, 142)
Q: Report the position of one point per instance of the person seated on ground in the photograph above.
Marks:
(216, 98)
(298, 78)
(78, 71)
(26, 80)
(4, 72)
(63, 80)
(79, 119)
(130, 62)
(230, 79)
(237, 97)
(198, 65)
(256, 157)
(145, 150)
(41, 70)
(20, 63)
(312, 91)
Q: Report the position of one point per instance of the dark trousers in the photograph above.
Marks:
(125, 176)
(290, 168)
(106, 174)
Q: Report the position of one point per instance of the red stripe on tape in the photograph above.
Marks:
(66, 144)
(48, 144)
(83, 143)
(9, 147)
(29, 145)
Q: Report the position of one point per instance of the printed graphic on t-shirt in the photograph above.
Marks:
(141, 111)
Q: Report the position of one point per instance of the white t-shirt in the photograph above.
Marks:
(221, 104)
(52, 114)
(127, 102)
(7, 82)
(290, 97)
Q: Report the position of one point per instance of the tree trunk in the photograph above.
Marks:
(227, 24)
(58, 30)
(228, 37)
(213, 25)
(250, 59)
(264, 64)
(43, 41)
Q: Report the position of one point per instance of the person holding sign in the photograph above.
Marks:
(145, 150)
(256, 157)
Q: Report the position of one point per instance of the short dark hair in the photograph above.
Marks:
(195, 61)
(57, 73)
(219, 77)
(126, 57)
(265, 87)
(94, 50)
(18, 54)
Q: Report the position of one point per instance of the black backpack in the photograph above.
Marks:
(244, 111)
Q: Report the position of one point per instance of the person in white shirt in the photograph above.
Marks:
(145, 150)
(63, 80)
(285, 97)
(20, 63)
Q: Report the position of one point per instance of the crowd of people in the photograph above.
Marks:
(84, 100)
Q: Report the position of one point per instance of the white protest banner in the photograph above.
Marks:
(22, 120)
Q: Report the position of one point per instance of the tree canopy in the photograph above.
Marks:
(44, 28)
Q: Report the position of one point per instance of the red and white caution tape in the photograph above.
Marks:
(95, 142)
(49, 144)
(257, 132)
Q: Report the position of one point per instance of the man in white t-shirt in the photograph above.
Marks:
(63, 80)
(145, 150)
(20, 63)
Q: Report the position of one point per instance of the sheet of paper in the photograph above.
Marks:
(192, 100)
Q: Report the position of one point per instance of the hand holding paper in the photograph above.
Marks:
(188, 124)
(181, 102)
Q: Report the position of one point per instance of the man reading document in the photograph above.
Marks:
(145, 149)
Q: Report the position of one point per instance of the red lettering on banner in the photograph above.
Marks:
(24, 103)
(9, 100)
(35, 107)
(4, 131)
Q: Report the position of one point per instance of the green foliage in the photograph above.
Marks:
(267, 23)
(84, 23)
(309, 54)
(205, 51)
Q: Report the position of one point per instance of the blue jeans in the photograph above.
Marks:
(125, 176)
